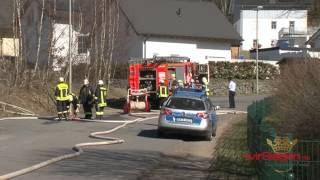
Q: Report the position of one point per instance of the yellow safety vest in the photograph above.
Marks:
(63, 89)
(206, 88)
(163, 91)
(103, 95)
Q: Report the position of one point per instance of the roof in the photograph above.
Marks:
(275, 4)
(178, 18)
(287, 48)
(295, 60)
(189, 92)
(313, 37)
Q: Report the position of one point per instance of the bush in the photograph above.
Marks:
(242, 70)
(298, 99)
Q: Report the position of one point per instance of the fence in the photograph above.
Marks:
(300, 158)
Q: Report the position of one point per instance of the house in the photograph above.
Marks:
(278, 53)
(314, 40)
(192, 29)
(276, 19)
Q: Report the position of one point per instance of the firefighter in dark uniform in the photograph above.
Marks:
(74, 104)
(163, 93)
(87, 99)
(61, 95)
(100, 99)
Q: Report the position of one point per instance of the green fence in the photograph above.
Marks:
(263, 141)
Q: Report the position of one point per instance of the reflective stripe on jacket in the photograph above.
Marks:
(100, 96)
(61, 92)
(163, 91)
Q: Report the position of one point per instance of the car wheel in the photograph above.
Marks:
(208, 136)
(160, 132)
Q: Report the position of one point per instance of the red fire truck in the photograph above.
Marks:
(145, 76)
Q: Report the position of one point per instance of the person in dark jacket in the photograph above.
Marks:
(73, 105)
(100, 99)
(87, 99)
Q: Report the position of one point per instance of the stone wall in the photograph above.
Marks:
(244, 87)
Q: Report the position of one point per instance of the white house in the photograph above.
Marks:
(60, 42)
(193, 29)
(271, 21)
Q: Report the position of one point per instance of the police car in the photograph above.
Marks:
(189, 111)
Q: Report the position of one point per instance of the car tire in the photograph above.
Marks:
(208, 136)
(160, 133)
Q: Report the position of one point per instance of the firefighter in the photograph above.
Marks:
(74, 105)
(163, 93)
(100, 99)
(180, 84)
(173, 83)
(192, 84)
(205, 85)
(87, 99)
(61, 95)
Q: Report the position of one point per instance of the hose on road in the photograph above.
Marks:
(97, 135)
(78, 147)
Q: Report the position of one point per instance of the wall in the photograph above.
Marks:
(247, 25)
(9, 47)
(197, 50)
(219, 87)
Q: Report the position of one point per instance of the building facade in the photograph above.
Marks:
(271, 22)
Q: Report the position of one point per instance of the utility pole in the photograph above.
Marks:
(70, 46)
(257, 47)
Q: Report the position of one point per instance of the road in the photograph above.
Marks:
(142, 156)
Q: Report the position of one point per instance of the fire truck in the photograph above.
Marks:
(145, 75)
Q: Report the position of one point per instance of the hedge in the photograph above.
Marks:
(242, 70)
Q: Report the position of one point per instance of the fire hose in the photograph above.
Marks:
(97, 135)
(78, 147)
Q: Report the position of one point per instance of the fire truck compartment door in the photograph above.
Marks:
(180, 73)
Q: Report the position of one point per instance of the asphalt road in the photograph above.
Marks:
(142, 156)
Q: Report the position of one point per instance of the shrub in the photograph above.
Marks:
(298, 99)
(242, 70)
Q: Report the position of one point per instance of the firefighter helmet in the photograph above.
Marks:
(86, 82)
(100, 82)
(61, 79)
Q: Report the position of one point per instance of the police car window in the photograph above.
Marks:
(185, 104)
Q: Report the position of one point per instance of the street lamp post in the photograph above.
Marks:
(70, 46)
(257, 47)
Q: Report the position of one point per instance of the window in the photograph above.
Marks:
(254, 43)
(273, 43)
(83, 44)
(185, 104)
(291, 27)
(274, 25)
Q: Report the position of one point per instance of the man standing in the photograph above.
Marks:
(205, 85)
(173, 83)
(163, 92)
(73, 105)
(61, 95)
(86, 99)
(232, 92)
(100, 99)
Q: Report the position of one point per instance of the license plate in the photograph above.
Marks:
(183, 120)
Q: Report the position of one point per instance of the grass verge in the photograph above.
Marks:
(229, 161)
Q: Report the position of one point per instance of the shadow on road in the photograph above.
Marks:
(116, 103)
(152, 133)
(106, 164)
